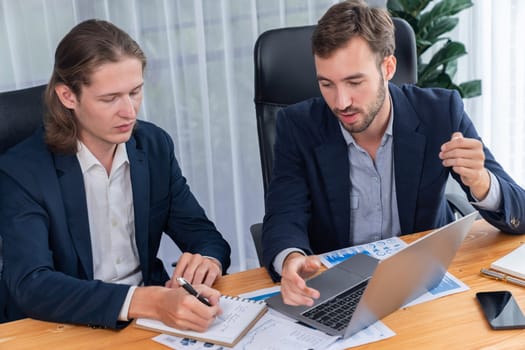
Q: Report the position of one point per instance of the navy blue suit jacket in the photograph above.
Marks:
(308, 199)
(48, 267)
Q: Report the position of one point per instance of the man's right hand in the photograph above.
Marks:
(296, 268)
(176, 307)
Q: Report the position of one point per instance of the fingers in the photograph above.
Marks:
(184, 311)
(186, 266)
(457, 135)
(464, 155)
(294, 290)
(197, 269)
(311, 265)
(209, 293)
(170, 284)
(213, 274)
(467, 159)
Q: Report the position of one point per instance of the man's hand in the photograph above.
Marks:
(296, 268)
(467, 159)
(176, 307)
(196, 269)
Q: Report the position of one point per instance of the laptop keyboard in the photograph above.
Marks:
(337, 311)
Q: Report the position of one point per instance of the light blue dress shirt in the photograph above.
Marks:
(373, 202)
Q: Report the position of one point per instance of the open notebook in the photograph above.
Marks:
(238, 317)
(512, 264)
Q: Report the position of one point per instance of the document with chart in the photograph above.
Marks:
(239, 315)
(384, 248)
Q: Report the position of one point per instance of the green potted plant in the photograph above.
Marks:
(431, 27)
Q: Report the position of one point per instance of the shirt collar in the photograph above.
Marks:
(87, 160)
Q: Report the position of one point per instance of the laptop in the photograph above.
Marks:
(362, 290)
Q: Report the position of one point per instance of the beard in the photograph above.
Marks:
(369, 113)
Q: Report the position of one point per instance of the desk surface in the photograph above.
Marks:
(452, 322)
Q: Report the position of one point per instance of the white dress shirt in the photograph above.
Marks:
(111, 220)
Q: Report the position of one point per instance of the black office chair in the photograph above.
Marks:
(21, 112)
(285, 74)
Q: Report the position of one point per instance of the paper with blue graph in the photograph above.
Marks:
(378, 249)
(384, 248)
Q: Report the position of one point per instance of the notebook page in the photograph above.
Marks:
(238, 316)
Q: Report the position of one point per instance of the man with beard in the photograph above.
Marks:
(370, 160)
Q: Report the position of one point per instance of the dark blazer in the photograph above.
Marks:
(308, 199)
(48, 267)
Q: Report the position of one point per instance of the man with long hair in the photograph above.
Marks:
(85, 200)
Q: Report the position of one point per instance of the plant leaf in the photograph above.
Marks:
(432, 34)
(470, 88)
(451, 68)
(443, 80)
(395, 6)
(422, 46)
(435, 79)
(439, 27)
(451, 51)
(414, 7)
(445, 8)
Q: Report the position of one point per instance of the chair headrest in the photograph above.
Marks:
(285, 68)
(21, 112)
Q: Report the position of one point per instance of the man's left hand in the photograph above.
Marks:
(467, 159)
(196, 269)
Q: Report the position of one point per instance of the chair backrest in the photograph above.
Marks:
(21, 112)
(285, 74)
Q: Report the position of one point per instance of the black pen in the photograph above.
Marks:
(189, 288)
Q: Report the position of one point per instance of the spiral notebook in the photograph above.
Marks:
(238, 317)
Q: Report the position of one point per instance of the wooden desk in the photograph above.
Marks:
(452, 322)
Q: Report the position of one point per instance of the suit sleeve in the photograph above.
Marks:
(511, 216)
(288, 202)
(37, 288)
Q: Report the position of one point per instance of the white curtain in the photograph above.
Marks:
(199, 84)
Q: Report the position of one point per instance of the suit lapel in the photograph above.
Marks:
(140, 183)
(74, 197)
(409, 151)
(332, 159)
